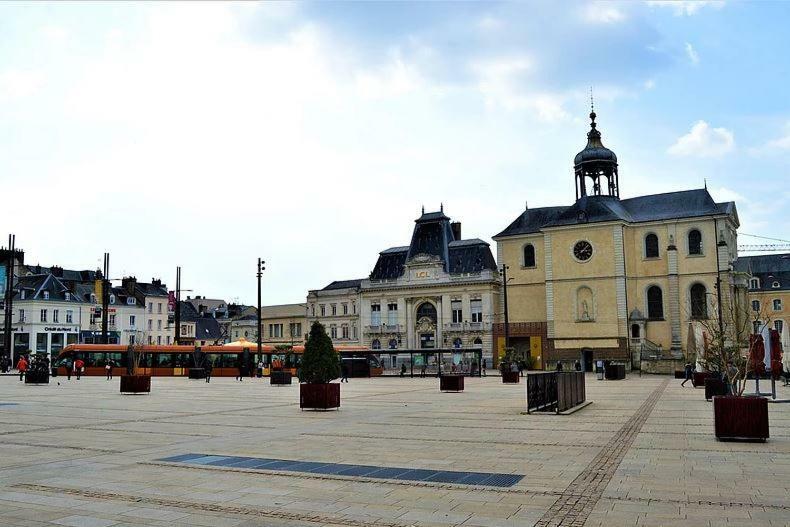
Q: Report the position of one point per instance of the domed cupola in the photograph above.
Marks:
(594, 162)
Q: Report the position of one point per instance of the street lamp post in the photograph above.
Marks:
(177, 336)
(261, 268)
(504, 291)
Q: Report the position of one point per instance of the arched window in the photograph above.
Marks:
(634, 331)
(478, 342)
(655, 303)
(779, 326)
(393, 344)
(699, 301)
(457, 343)
(376, 344)
(426, 309)
(651, 246)
(695, 242)
(529, 255)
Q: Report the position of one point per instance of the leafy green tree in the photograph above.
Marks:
(320, 361)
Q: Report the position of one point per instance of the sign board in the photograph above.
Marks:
(2, 280)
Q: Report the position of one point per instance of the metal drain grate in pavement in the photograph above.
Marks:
(406, 474)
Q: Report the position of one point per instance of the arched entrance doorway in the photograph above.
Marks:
(426, 325)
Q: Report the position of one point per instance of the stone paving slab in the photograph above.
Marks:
(81, 452)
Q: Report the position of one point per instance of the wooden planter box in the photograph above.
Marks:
(319, 396)
(34, 377)
(135, 384)
(197, 373)
(744, 418)
(615, 372)
(698, 378)
(451, 383)
(714, 386)
(281, 378)
(510, 377)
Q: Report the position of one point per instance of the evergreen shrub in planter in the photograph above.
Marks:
(320, 366)
(134, 381)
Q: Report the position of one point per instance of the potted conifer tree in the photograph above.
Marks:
(509, 367)
(320, 366)
(136, 379)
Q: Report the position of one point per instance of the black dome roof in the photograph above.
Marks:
(594, 151)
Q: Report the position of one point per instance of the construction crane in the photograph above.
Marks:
(784, 245)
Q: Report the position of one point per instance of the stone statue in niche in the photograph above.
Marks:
(584, 305)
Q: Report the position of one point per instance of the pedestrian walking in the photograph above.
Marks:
(689, 373)
(343, 371)
(108, 369)
(208, 369)
(79, 364)
(485, 366)
(69, 365)
(21, 366)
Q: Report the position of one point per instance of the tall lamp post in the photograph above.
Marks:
(504, 290)
(261, 268)
(177, 336)
(9, 297)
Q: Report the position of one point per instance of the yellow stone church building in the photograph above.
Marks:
(607, 278)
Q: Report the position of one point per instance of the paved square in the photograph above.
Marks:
(81, 454)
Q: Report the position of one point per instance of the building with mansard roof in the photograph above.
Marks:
(606, 278)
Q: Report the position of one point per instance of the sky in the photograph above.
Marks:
(207, 135)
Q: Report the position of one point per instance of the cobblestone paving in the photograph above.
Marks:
(574, 506)
(80, 454)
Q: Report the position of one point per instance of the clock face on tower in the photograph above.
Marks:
(582, 250)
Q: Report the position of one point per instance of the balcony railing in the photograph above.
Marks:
(384, 328)
(466, 326)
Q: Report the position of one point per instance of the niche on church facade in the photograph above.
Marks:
(585, 305)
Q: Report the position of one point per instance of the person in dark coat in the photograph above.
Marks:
(207, 368)
(689, 370)
(343, 371)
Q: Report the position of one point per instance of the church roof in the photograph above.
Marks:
(595, 209)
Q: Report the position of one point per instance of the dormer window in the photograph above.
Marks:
(67, 296)
(112, 299)
(46, 295)
(131, 301)
(754, 283)
(776, 285)
(22, 294)
(93, 298)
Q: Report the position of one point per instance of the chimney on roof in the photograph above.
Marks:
(56, 270)
(129, 283)
(156, 281)
(456, 228)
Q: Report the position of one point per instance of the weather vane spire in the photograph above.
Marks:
(592, 109)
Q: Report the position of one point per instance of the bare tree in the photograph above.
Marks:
(728, 340)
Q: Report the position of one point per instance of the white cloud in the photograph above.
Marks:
(685, 7)
(603, 13)
(15, 83)
(649, 84)
(780, 144)
(490, 23)
(704, 141)
(692, 54)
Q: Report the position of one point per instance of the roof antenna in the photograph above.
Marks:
(423, 209)
(592, 102)
(441, 207)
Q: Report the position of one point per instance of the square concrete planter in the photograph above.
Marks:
(319, 396)
(451, 383)
(135, 384)
(510, 377)
(280, 378)
(743, 418)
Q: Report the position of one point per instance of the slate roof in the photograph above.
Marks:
(769, 268)
(35, 286)
(593, 209)
(187, 312)
(69, 275)
(207, 328)
(433, 236)
(343, 284)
